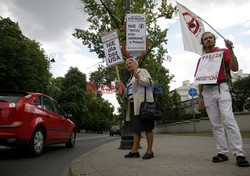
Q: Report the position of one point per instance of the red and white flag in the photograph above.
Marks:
(192, 28)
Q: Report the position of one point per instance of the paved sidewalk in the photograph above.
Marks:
(174, 156)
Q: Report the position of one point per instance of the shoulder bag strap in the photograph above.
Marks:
(145, 94)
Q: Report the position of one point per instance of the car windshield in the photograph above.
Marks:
(115, 128)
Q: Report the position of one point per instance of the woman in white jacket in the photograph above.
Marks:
(136, 91)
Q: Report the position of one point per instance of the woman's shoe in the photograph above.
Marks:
(148, 155)
(132, 155)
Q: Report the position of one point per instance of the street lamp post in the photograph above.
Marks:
(127, 134)
(50, 58)
(128, 6)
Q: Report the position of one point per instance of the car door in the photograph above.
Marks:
(65, 130)
(53, 122)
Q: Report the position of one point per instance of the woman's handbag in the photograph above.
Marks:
(149, 110)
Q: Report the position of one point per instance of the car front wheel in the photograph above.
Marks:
(72, 140)
(36, 144)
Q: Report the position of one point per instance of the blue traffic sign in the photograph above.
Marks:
(192, 92)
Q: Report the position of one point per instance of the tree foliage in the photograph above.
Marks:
(55, 86)
(89, 111)
(99, 117)
(72, 96)
(172, 110)
(108, 15)
(241, 94)
(23, 65)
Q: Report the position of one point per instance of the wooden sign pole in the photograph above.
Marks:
(117, 72)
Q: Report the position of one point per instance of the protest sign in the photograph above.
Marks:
(112, 48)
(208, 68)
(136, 32)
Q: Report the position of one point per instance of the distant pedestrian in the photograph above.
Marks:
(218, 102)
(135, 89)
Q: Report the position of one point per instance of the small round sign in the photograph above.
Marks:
(192, 92)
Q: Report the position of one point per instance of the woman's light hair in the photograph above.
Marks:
(134, 60)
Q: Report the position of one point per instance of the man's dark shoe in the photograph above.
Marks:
(148, 155)
(132, 155)
(241, 161)
(219, 158)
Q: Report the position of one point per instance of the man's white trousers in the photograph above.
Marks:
(218, 103)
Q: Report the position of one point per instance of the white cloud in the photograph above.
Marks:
(182, 66)
(178, 36)
(112, 99)
(167, 23)
(247, 32)
(247, 24)
(47, 20)
(242, 54)
(4, 9)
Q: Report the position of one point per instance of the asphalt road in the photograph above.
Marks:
(54, 161)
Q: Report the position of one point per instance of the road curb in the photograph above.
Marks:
(77, 165)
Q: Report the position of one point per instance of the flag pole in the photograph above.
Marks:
(212, 28)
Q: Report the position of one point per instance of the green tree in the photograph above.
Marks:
(241, 94)
(109, 15)
(55, 87)
(172, 110)
(100, 114)
(72, 96)
(22, 61)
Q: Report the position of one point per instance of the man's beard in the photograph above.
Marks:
(210, 46)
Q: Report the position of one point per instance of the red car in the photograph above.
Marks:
(33, 120)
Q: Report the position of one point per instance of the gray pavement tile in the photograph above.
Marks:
(174, 156)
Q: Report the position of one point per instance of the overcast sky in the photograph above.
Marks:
(52, 22)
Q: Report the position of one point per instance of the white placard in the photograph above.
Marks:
(112, 49)
(136, 32)
(208, 68)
